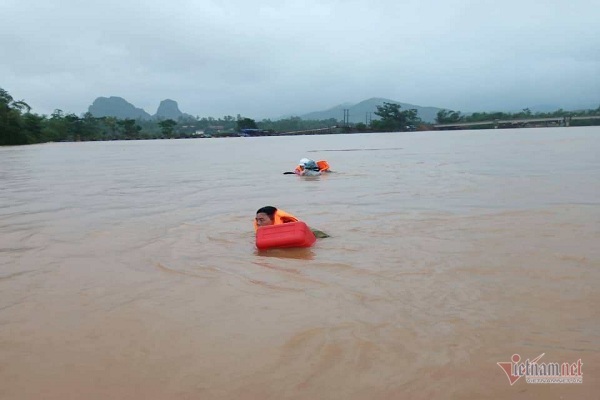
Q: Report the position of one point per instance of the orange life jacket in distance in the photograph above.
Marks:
(323, 166)
(280, 217)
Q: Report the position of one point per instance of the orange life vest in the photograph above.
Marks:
(323, 166)
(280, 217)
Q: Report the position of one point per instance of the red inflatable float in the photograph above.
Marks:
(292, 234)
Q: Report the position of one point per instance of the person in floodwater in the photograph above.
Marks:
(270, 215)
(308, 167)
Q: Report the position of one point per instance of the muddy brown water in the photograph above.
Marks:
(128, 269)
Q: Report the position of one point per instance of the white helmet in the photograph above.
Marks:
(307, 163)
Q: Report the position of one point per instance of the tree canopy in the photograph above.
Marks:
(246, 123)
(393, 120)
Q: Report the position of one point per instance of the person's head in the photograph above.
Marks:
(265, 216)
(307, 163)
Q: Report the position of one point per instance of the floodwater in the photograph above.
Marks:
(128, 269)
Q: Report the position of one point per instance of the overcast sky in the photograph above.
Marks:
(269, 58)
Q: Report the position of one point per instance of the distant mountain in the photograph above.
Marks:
(168, 109)
(358, 112)
(120, 108)
(116, 107)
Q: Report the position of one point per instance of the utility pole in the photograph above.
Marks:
(368, 118)
(346, 117)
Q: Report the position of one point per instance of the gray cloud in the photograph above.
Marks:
(271, 58)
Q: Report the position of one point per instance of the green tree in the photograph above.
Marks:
(392, 119)
(246, 123)
(90, 127)
(477, 117)
(11, 130)
(33, 125)
(167, 126)
(74, 127)
(361, 127)
(129, 128)
(448, 117)
(8, 101)
(56, 128)
(112, 128)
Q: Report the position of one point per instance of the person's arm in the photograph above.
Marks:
(319, 234)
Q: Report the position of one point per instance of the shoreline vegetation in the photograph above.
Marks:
(19, 126)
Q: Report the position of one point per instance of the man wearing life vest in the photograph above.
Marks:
(270, 215)
(308, 167)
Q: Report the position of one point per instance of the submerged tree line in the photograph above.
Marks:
(18, 125)
(450, 117)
